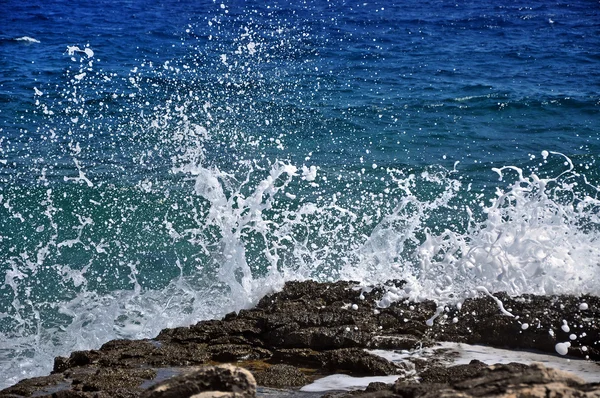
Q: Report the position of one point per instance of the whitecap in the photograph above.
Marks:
(27, 39)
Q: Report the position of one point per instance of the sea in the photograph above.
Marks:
(165, 162)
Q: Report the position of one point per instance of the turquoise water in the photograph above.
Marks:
(169, 162)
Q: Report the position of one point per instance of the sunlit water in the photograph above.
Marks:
(162, 164)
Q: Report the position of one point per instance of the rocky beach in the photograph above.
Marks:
(311, 330)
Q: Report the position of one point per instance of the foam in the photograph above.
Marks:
(341, 382)
(71, 50)
(462, 354)
(527, 242)
(587, 370)
(27, 39)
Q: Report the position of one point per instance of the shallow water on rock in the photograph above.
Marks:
(460, 354)
(274, 392)
(450, 354)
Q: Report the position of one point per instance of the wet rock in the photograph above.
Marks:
(512, 380)
(476, 380)
(280, 376)
(441, 374)
(402, 342)
(210, 381)
(357, 362)
(324, 328)
(210, 331)
(77, 358)
(237, 352)
(301, 356)
(110, 380)
(29, 386)
(319, 338)
(70, 394)
(540, 322)
(179, 354)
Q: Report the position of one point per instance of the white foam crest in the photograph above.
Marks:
(27, 39)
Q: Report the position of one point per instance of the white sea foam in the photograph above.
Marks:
(71, 50)
(463, 354)
(27, 39)
(538, 236)
(341, 382)
(587, 370)
(528, 242)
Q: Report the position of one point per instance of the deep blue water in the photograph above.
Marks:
(165, 162)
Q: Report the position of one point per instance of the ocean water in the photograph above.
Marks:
(167, 162)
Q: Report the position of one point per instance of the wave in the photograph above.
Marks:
(27, 39)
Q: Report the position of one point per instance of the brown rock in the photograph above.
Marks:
(498, 381)
(325, 327)
(280, 376)
(29, 386)
(512, 380)
(209, 381)
(111, 379)
(357, 362)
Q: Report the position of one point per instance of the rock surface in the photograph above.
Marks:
(312, 329)
(209, 381)
(479, 380)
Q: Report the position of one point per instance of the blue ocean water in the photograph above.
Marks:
(167, 162)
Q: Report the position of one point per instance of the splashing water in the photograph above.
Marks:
(538, 236)
(183, 189)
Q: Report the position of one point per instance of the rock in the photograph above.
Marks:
(77, 358)
(480, 322)
(357, 362)
(280, 376)
(324, 328)
(476, 380)
(441, 374)
(30, 386)
(209, 381)
(110, 380)
(237, 352)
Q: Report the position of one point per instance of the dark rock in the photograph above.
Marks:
(324, 328)
(401, 342)
(481, 322)
(111, 379)
(280, 376)
(377, 386)
(318, 338)
(475, 380)
(441, 374)
(210, 381)
(357, 362)
(70, 394)
(237, 352)
(300, 356)
(77, 358)
(28, 386)
(512, 380)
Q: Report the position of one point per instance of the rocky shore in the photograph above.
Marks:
(310, 330)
